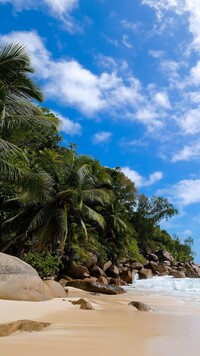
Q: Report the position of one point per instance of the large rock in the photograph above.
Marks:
(153, 266)
(97, 272)
(22, 325)
(140, 306)
(92, 262)
(54, 289)
(107, 265)
(153, 258)
(19, 281)
(78, 272)
(190, 272)
(117, 282)
(96, 287)
(145, 273)
(164, 256)
(137, 265)
(126, 275)
(177, 274)
(103, 280)
(163, 269)
(84, 304)
(113, 271)
(13, 265)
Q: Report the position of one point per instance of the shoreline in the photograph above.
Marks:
(113, 328)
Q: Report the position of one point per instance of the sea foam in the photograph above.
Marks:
(185, 288)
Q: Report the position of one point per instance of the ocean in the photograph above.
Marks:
(186, 289)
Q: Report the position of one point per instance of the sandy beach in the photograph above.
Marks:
(113, 328)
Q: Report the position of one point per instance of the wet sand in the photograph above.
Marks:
(113, 328)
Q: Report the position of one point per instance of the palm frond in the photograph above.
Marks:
(7, 149)
(62, 227)
(46, 233)
(14, 57)
(93, 215)
(12, 172)
(42, 216)
(97, 195)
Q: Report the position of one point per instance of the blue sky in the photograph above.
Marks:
(123, 76)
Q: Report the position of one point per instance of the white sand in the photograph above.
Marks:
(114, 328)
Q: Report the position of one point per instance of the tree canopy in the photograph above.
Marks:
(52, 199)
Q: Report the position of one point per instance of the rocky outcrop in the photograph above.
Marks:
(10, 265)
(145, 273)
(19, 281)
(190, 272)
(22, 325)
(95, 287)
(140, 306)
(136, 265)
(97, 272)
(77, 272)
(113, 271)
(126, 275)
(164, 256)
(107, 265)
(92, 261)
(54, 289)
(153, 257)
(177, 274)
(103, 279)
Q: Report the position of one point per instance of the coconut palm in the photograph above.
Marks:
(17, 109)
(16, 87)
(73, 196)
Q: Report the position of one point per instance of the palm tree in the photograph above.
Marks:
(116, 227)
(72, 198)
(16, 87)
(17, 109)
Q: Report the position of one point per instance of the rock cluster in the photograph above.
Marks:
(108, 278)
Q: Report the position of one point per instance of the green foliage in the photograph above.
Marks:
(134, 253)
(149, 212)
(45, 263)
(60, 200)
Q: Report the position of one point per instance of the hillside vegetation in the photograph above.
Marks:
(57, 205)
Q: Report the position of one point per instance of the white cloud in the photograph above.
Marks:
(129, 25)
(188, 153)
(20, 4)
(148, 116)
(68, 126)
(156, 54)
(115, 91)
(70, 83)
(142, 181)
(189, 122)
(185, 192)
(161, 99)
(126, 42)
(190, 8)
(40, 57)
(101, 137)
(194, 97)
(61, 9)
(195, 74)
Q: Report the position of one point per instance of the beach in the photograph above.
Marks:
(113, 328)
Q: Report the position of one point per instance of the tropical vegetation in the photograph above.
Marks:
(56, 205)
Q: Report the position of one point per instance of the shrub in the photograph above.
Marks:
(45, 263)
